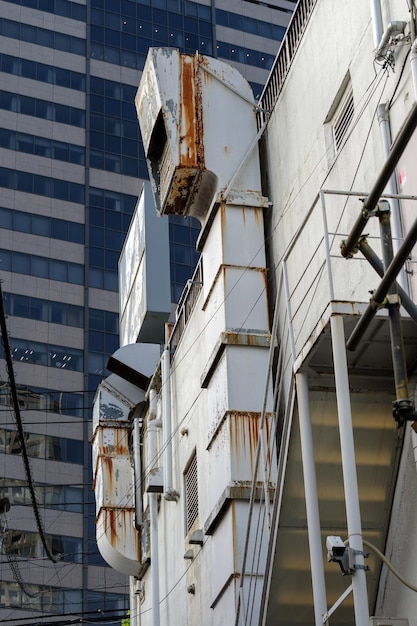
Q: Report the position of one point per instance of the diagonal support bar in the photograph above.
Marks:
(373, 259)
(384, 286)
(398, 147)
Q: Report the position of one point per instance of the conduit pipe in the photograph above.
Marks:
(137, 426)
(392, 188)
(152, 450)
(153, 511)
(169, 492)
(376, 17)
(377, 190)
(383, 288)
(393, 28)
(413, 63)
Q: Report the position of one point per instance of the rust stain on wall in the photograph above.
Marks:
(244, 434)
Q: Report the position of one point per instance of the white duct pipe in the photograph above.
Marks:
(169, 491)
(360, 596)
(393, 28)
(312, 507)
(134, 604)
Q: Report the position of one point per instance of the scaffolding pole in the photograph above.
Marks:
(350, 481)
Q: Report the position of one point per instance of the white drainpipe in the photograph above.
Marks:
(169, 492)
(153, 511)
(393, 28)
(137, 425)
(381, 41)
(376, 21)
(392, 188)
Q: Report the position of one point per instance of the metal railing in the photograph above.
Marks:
(186, 304)
(284, 57)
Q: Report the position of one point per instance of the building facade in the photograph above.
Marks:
(71, 165)
(277, 435)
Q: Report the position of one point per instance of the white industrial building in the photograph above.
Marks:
(260, 467)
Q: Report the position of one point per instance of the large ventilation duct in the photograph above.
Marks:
(117, 398)
(197, 119)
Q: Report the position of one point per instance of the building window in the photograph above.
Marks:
(46, 354)
(42, 446)
(28, 544)
(191, 493)
(46, 400)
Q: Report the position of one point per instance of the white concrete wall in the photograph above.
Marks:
(298, 156)
(298, 162)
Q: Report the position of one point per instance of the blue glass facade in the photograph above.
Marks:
(71, 162)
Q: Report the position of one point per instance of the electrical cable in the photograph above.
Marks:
(389, 565)
(25, 456)
(76, 617)
(209, 320)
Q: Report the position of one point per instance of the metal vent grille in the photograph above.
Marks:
(343, 119)
(191, 493)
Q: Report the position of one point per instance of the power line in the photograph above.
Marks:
(70, 618)
(13, 389)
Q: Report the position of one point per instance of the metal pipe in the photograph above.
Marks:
(169, 491)
(380, 293)
(393, 28)
(309, 470)
(396, 334)
(371, 201)
(152, 448)
(350, 480)
(392, 189)
(153, 514)
(376, 263)
(413, 63)
(376, 17)
(134, 604)
(153, 509)
(312, 507)
(137, 470)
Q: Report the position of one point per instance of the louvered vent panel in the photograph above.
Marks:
(343, 119)
(191, 493)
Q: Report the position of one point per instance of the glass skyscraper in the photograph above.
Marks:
(71, 165)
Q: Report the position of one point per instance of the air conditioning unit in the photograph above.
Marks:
(388, 621)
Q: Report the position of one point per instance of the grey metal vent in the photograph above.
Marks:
(191, 493)
(343, 118)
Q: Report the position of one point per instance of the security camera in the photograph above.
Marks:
(341, 554)
(335, 548)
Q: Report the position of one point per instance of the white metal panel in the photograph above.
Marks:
(144, 275)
